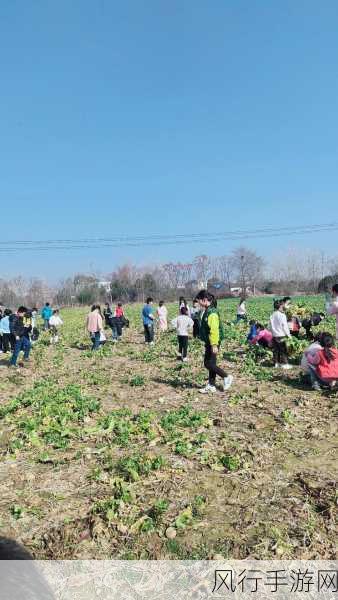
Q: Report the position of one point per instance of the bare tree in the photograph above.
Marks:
(185, 270)
(225, 269)
(66, 292)
(160, 277)
(19, 286)
(35, 292)
(172, 274)
(332, 266)
(8, 298)
(248, 267)
(202, 268)
(313, 269)
(128, 273)
(298, 269)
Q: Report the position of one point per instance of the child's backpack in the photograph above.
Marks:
(35, 334)
(125, 322)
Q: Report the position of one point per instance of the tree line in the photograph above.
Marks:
(241, 271)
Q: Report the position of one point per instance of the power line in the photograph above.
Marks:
(287, 229)
(162, 240)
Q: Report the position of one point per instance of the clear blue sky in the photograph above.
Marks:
(165, 117)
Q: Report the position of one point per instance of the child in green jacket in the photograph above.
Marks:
(211, 333)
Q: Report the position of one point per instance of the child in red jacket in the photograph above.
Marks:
(119, 311)
(324, 364)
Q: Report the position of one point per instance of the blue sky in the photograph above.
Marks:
(165, 117)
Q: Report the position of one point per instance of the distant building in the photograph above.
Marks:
(105, 285)
(237, 291)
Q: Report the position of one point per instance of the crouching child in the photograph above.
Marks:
(263, 337)
(324, 364)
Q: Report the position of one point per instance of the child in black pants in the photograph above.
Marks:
(183, 325)
(210, 333)
(195, 315)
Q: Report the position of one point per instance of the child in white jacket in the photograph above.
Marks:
(280, 330)
(54, 323)
(183, 325)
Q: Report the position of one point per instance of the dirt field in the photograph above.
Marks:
(115, 454)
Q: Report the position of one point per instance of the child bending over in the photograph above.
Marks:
(324, 364)
(263, 337)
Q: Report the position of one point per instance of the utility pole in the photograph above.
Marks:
(243, 277)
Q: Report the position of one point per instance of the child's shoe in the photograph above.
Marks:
(227, 382)
(209, 389)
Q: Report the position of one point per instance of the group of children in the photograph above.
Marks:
(113, 318)
(18, 330)
(160, 317)
(320, 359)
(203, 321)
(319, 363)
(51, 322)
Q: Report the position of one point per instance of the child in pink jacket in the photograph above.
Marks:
(263, 337)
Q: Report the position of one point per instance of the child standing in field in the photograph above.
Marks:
(118, 319)
(119, 311)
(332, 305)
(183, 325)
(148, 321)
(107, 313)
(324, 364)
(293, 321)
(8, 341)
(46, 314)
(21, 327)
(34, 312)
(280, 330)
(55, 323)
(110, 321)
(94, 326)
(241, 311)
(211, 334)
(162, 316)
(183, 304)
(195, 314)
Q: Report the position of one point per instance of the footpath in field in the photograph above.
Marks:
(116, 454)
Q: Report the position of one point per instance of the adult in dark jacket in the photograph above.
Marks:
(21, 327)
